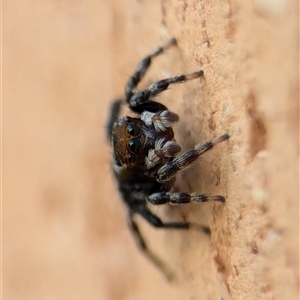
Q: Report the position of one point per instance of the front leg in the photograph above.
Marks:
(163, 148)
(170, 169)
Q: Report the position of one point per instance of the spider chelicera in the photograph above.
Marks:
(146, 156)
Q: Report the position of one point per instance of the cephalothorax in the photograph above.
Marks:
(146, 156)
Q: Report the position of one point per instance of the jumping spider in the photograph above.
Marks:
(146, 156)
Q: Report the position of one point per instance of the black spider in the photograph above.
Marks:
(146, 157)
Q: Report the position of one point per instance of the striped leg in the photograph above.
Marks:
(170, 169)
(143, 67)
(181, 198)
(155, 88)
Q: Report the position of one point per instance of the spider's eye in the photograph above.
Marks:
(133, 130)
(134, 145)
(131, 158)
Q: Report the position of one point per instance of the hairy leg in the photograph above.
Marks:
(143, 97)
(181, 198)
(143, 66)
(170, 169)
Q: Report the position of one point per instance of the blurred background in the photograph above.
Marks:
(64, 229)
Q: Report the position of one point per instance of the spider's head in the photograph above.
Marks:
(128, 142)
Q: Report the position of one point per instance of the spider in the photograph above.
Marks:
(146, 156)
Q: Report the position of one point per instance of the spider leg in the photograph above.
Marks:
(163, 148)
(114, 113)
(143, 66)
(139, 99)
(142, 209)
(169, 170)
(151, 106)
(181, 198)
(161, 119)
(157, 222)
(143, 246)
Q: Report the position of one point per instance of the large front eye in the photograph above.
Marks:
(134, 145)
(133, 130)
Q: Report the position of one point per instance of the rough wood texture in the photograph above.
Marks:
(64, 227)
